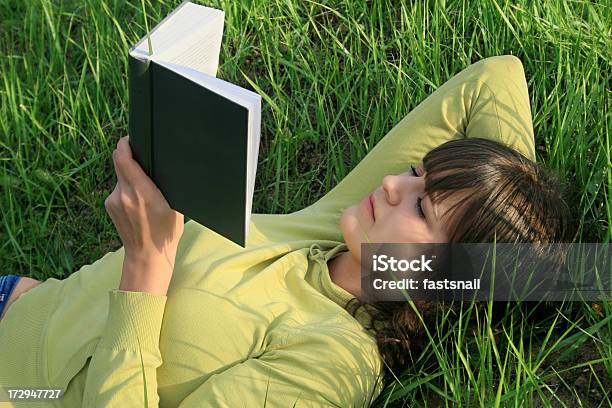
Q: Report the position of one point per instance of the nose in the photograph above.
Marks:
(398, 187)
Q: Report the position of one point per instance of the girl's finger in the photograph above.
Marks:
(131, 172)
(110, 202)
(118, 163)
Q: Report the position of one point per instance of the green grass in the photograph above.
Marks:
(335, 76)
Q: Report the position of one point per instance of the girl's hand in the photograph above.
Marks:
(149, 229)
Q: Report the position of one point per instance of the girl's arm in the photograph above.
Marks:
(122, 371)
(127, 356)
(488, 99)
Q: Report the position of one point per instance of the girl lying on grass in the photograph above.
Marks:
(279, 323)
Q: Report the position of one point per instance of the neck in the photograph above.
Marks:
(345, 272)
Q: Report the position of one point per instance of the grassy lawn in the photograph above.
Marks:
(335, 76)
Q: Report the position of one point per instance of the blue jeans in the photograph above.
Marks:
(7, 284)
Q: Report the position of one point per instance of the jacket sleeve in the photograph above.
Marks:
(314, 369)
(489, 99)
(127, 353)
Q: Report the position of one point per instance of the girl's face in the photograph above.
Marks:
(398, 211)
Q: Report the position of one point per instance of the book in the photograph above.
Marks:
(195, 135)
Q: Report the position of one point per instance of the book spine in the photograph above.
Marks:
(140, 119)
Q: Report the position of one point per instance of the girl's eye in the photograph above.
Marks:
(419, 200)
(420, 207)
(414, 171)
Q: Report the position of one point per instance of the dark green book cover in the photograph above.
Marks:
(194, 142)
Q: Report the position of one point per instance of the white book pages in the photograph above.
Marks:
(253, 156)
(189, 36)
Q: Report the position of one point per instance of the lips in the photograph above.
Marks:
(368, 202)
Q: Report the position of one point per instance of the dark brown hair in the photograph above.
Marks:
(503, 196)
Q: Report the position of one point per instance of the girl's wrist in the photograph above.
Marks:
(151, 274)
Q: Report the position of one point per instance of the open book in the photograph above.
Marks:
(196, 136)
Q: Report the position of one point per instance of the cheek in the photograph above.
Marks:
(403, 229)
(394, 230)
